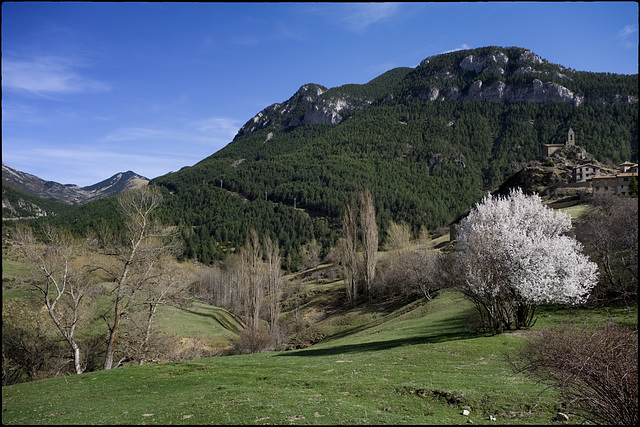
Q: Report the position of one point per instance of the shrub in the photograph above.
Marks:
(251, 341)
(609, 233)
(29, 353)
(595, 368)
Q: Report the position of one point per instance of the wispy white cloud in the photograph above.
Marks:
(463, 46)
(359, 16)
(14, 111)
(144, 133)
(218, 126)
(629, 36)
(150, 151)
(209, 131)
(47, 75)
(86, 165)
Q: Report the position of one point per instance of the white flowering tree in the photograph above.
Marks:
(514, 256)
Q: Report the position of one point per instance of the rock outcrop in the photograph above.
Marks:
(492, 74)
(310, 105)
(543, 85)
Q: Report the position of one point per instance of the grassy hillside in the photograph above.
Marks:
(376, 375)
(415, 365)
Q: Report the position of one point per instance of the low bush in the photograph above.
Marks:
(252, 341)
(29, 354)
(595, 368)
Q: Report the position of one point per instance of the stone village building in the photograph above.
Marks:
(617, 184)
(612, 184)
(549, 149)
(584, 173)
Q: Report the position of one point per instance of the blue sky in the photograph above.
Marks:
(92, 89)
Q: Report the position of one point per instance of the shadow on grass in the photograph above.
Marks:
(388, 307)
(233, 326)
(387, 344)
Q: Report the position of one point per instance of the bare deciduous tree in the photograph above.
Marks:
(310, 254)
(234, 275)
(594, 367)
(424, 238)
(133, 266)
(274, 280)
(420, 267)
(61, 281)
(167, 286)
(252, 279)
(610, 235)
(398, 237)
(409, 271)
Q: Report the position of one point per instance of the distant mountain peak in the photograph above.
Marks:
(71, 193)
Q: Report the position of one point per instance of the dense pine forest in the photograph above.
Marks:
(291, 170)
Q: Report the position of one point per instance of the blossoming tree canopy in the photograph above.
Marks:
(513, 252)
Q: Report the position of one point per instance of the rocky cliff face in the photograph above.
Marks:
(494, 74)
(485, 87)
(69, 193)
(18, 207)
(538, 92)
(311, 105)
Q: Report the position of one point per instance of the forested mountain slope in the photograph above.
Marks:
(428, 142)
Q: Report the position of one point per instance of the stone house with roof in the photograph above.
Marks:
(584, 173)
(617, 184)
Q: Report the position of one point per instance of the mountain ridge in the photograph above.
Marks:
(429, 142)
(69, 194)
(485, 75)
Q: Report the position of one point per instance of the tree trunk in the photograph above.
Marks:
(113, 336)
(147, 334)
(108, 360)
(76, 358)
(349, 257)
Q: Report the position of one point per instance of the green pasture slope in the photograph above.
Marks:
(197, 323)
(421, 366)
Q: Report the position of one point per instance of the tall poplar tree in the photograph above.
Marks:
(369, 239)
(274, 282)
(348, 248)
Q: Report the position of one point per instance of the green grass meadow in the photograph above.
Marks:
(419, 366)
(383, 362)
